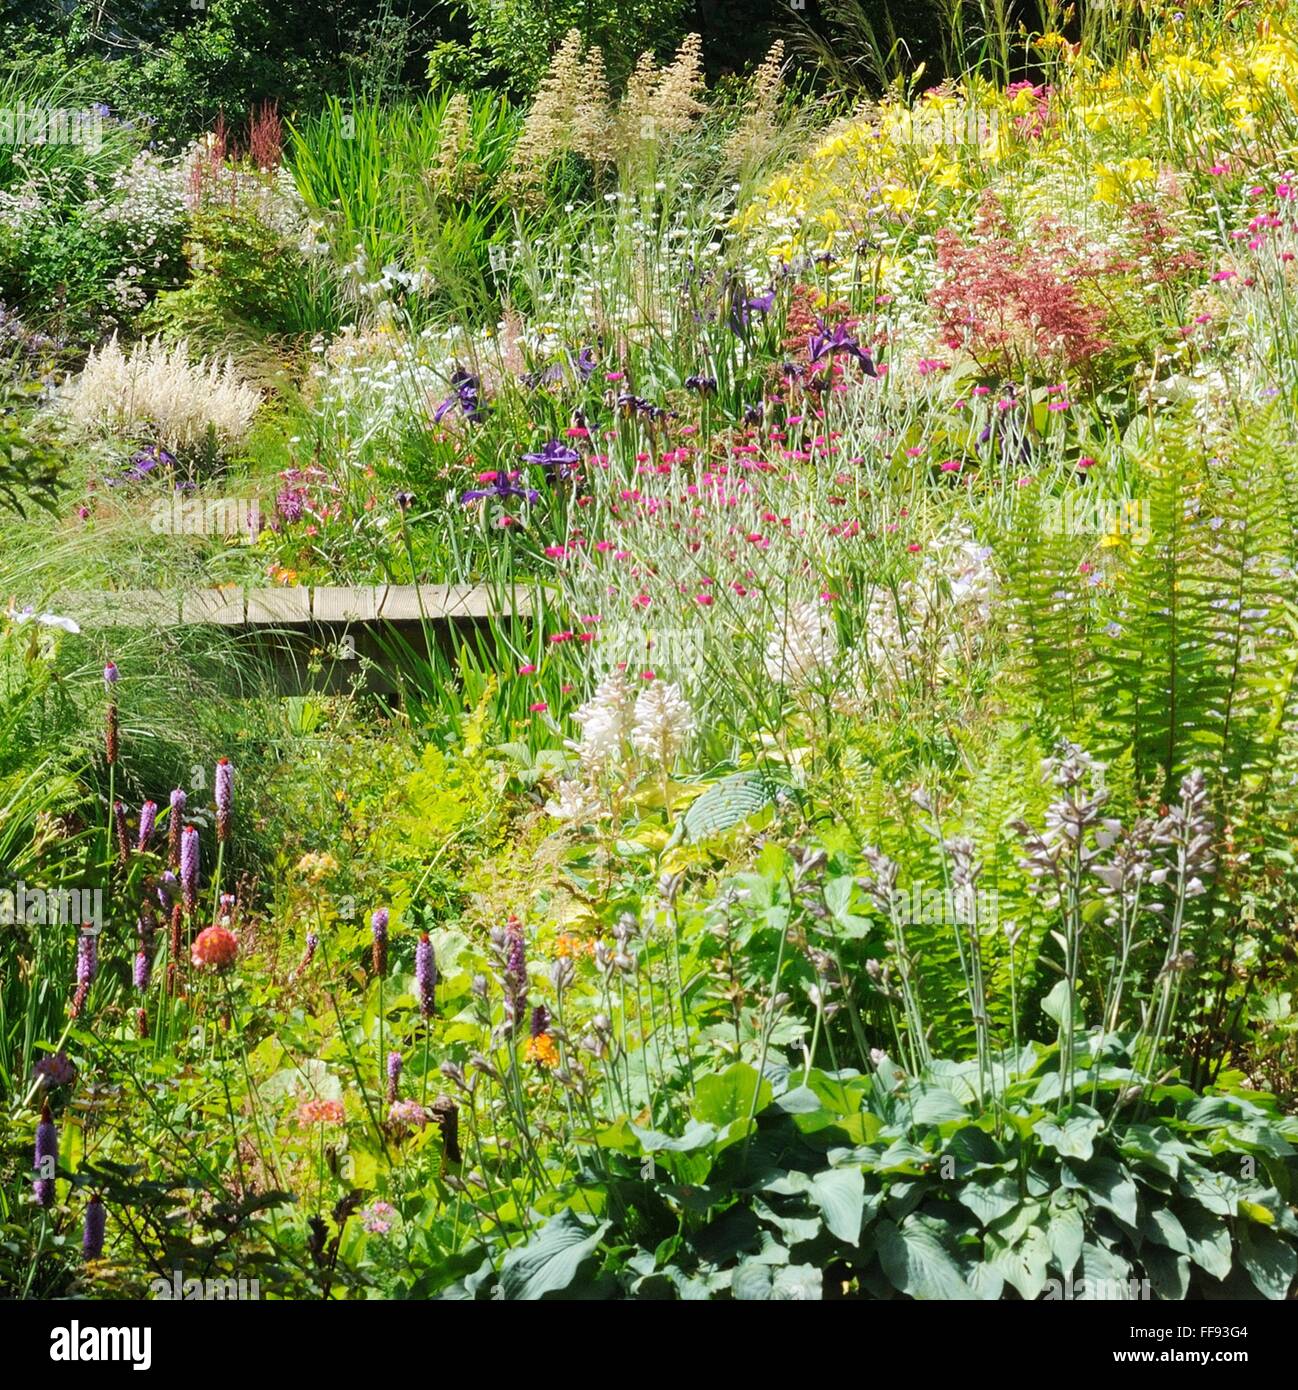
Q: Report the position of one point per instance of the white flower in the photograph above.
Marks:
(605, 722)
(30, 615)
(663, 721)
(807, 643)
(575, 802)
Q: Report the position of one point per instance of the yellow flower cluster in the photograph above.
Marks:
(1190, 96)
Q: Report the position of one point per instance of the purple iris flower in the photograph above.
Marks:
(142, 464)
(586, 363)
(829, 343)
(704, 385)
(743, 306)
(464, 393)
(502, 489)
(556, 457)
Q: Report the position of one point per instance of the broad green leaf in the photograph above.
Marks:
(1075, 1138)
(1024, 1265)
(918, 1263)
(734, 1094)
(1208, 1238)
(936, 1105)
(550, 1260)
(1270, 1260)
(989, 1201)
(1108, 1185)
(1107, 1276)
(840, 1195)
(1065, 1233)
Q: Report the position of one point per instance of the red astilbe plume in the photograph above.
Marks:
(1010, 303)
(265, 137)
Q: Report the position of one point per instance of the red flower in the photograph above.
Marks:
(215, 947)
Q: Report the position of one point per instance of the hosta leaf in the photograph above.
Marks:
(549, 1262)
(840, 1195)
(1065, 1232)
(726, 804)
(1169, 1272)
(1075, 1138)
(1271, 1262)
(1208, 1238)
(1107, 1276)
(918, 1263)
(1024, 1265)
(990, 1201)
(1107, 1184)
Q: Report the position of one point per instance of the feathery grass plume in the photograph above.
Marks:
(675, 102)
(454, 171)
(633, 124)
(755, 133)
(592, 120)
(157, 392)
(548, 128)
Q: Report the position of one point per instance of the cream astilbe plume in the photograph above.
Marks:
(454, 171)
(575, 802)
(547, 130)
(156, 391)
(805, 645)
(663, 721)
(755, 132)
(605, 721)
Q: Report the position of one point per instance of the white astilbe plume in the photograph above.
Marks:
(156, 393)
(806, 644)
(663, 721)
(575, 802)
(605, 721)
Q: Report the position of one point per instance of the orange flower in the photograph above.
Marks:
(569, 946)
(542, 1051)
(320, 1112)
(215, 947)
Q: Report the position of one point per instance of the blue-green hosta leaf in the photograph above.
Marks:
(1066, 1233)
(1106, 1277)
(550, 1260)
(1270, 1260)
(1108, 1185)
(1075, 1138)
(1168, 1271)
(840, 1195)
(936, 1106)
(1024, 1264)
(917, 1262)
(990, 1201)
(726, 804)
(1208, 1238)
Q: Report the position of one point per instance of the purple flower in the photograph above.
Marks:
(92, 1236)
(379, 928)
(426, 976)
(464, 393)
(224, 793)
(189, 867)
(586, 363)
(290, 504)
(87, 957)
(168, 889)
(703, 385)
(142, 464)
(178, 800)
(394, 1075)
(148, 823)
(111, 676)
(515, 980)
(502, 488)
(47, 1157)
(123, 837)
(830, 343)
(143, 969)
(540, 1020)
(557, 458)
(55, 1069)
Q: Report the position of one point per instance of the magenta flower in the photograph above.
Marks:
(426, 976)
(379, 928)
(178, 800)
